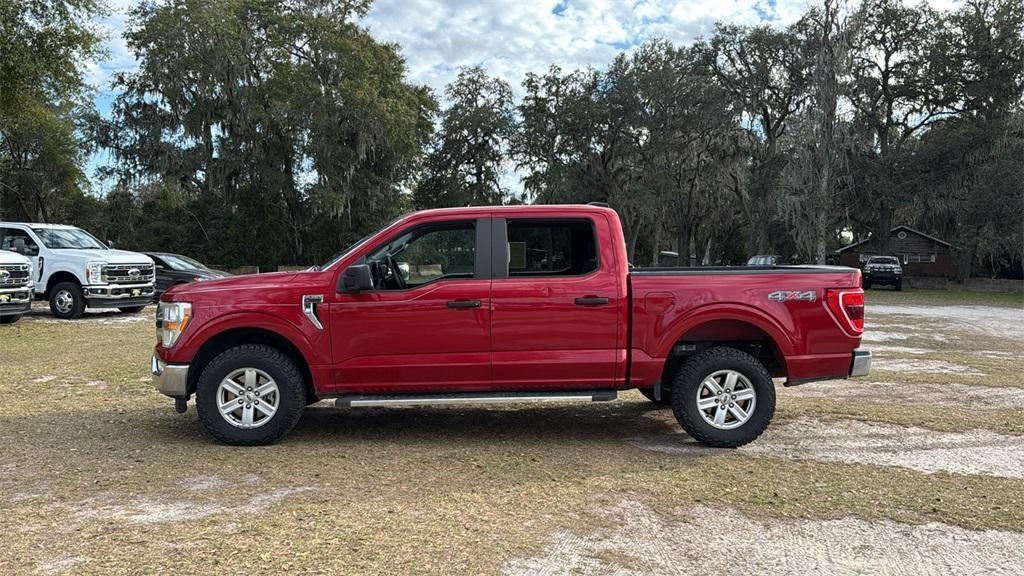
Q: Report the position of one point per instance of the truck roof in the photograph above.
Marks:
(38, 225)
(518, 209)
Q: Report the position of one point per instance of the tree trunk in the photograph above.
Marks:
(883, 226)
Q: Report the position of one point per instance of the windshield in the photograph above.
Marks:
(889, 260)
(60, 238)
(177, 262)
(334, 259)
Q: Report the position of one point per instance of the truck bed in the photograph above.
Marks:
(782, 306)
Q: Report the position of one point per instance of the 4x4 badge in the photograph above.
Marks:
(791, 295)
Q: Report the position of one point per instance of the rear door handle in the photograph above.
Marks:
(463, 303)
(591, 301)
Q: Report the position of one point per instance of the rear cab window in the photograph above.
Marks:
(551, 247)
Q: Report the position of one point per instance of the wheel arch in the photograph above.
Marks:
(59, 276)
(222, 341)
(743, 328)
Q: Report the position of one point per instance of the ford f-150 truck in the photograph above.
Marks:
(73, 270)
(505, 304)
(15, 286)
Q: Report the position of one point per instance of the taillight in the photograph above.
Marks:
(847, 305)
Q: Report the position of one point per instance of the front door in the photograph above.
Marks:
(425, 326)
(555, 323)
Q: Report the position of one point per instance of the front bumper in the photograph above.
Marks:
(861, 364)
(118, 295)
(14, 301)
(882, 277)
(170, 379)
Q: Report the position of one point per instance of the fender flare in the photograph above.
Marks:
(244, 320)
(61, 270)
(779, 335)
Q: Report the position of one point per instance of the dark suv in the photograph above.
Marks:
(883, 270)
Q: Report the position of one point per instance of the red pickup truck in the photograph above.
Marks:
(505, 304)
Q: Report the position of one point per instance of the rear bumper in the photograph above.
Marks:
(861, 364)
(169, 379)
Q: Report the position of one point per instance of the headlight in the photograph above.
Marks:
(94, 273)
(171, 320)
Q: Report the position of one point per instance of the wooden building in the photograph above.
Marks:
(919, 253)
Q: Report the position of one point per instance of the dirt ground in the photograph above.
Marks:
(916, 469)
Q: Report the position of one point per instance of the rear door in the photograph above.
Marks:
(556, 301)
(425, 326)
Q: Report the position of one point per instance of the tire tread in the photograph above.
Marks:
(695, 369)
(292, 385)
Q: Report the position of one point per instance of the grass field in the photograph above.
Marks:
(99, 475)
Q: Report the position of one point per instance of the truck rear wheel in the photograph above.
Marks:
(67, 301)
(250, 395)
(723, 397)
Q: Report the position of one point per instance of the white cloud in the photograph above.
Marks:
(511, 38)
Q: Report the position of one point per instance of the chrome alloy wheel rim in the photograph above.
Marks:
(248, 398)
(726, 399)
(64, 301)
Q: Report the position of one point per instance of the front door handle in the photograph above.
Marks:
(463, 303)
(591, 301)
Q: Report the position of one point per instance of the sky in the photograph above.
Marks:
(509, 38)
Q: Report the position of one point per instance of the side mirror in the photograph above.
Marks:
(356, 278)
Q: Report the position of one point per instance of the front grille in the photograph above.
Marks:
(13, 275)
(128, 273)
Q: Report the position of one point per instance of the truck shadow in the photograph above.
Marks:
(598, 423)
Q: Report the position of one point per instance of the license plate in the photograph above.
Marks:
(5, 297)
(137, 292)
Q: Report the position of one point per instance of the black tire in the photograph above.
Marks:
(867, 284)
(899, 286)
(278, 366)
(132, 309)
(687, 384)
(666, 396)
(77, 305)
(10, 319)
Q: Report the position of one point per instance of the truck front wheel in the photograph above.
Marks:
(67, 301)
(250, 395)
(10, 319)
(131, 309)
(723, 397)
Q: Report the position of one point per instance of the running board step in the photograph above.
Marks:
(475, 398)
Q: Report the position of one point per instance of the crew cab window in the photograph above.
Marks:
(551, 247)
(19, 241)
(425, 254)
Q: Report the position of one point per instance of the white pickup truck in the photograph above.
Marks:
(73, 270)
(15, 286)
